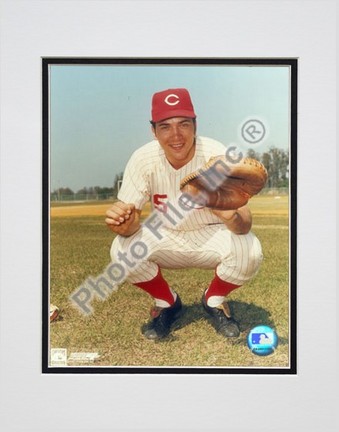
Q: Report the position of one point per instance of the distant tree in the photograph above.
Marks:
(284, 169)
(83, 191)
(61, 193)
(54, 195)
(276, 161)
(253, 155)
(66, 191)
(266, 160)
(94, 193)
(104, 192)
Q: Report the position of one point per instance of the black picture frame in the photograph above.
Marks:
(48, 62)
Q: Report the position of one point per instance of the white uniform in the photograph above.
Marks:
(176, 235)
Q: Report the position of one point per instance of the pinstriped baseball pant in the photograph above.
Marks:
(236, 258)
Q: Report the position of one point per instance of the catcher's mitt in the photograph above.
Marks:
(223, 185)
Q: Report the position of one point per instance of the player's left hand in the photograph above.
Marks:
(222, 185)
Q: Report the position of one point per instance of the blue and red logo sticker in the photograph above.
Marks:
(262, 340)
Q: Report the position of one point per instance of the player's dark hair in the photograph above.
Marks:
(194, 122)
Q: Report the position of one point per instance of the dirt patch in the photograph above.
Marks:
(88, 210)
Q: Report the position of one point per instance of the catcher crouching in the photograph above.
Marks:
(200, 215)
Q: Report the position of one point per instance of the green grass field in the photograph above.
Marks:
(80, 244)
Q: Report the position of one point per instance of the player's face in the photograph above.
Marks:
(177, 137)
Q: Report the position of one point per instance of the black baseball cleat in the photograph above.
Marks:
(162, 319)
(222, 320)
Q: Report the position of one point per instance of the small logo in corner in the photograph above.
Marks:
(262, 340)
(58, 357)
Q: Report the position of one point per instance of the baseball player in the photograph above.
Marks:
(179, 235)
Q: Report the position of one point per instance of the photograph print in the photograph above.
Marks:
(169, 215)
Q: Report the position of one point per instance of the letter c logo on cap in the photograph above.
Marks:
(173, 96)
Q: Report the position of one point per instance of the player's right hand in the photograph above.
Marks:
(123, 218)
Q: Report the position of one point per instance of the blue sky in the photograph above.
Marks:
(99, 114)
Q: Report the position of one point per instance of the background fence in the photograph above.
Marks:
(76, 197)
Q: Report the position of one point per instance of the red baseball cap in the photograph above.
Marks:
(172, 103)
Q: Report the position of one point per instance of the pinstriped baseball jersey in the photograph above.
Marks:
(197, 239)
(149, 176)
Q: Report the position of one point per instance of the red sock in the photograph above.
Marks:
(218, 288)
(158, 288)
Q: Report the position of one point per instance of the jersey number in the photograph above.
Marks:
(159, 203)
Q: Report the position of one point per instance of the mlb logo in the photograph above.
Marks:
(262, 338)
